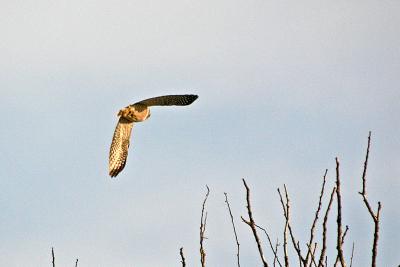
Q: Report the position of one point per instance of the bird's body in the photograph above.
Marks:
(137, 112)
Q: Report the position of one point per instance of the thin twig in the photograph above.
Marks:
(285, 250)
(203, 222)
(76, 263)
(339, 243)
(352, 254)
(251, 223)
(276, 253)
(53, 258)
(299, 255)
(364, 174)
(324, 230)
(316, 215)
(344, 235)
(312, 253)
(234, 229)
(297, 248)
(375, 217)
(182, 257)
(286, 211)
(270, 243)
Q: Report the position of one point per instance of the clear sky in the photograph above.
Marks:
(284, 87)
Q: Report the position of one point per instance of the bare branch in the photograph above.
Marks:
(276, 253)
(364, 174)
(339, 217)
(285, 251)
(52, 257)
(324, 229)
(203, 222)
(286, 212)
(316, 216)
(182, 257)
(251, 223)
(375, 217)
(352, 254)
(270, 243)
(234, 229)
(376, 235)
(344, 235)
(312, 253)
(76, 263)
(299, 255)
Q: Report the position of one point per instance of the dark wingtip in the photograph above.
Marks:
(192, 98)
(113, 173)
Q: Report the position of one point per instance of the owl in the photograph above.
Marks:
(137, 112)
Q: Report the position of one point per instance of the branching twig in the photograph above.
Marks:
(299, 255)
(316, 216)
(324, 230)
(270, 244)
(182, 257)
(203, 222)
(286, 212)
(251, 223)
(344, 235)
(234, 229)
(276, 253)
(285, 251)
(312, 253)
(339, 242)
(375, 217)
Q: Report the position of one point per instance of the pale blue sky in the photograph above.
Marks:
(284, 87)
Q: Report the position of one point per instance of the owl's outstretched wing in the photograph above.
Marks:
(169, 100)
(119, 146)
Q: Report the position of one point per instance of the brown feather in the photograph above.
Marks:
(119, 146)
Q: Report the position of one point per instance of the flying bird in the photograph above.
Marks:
(137, 112)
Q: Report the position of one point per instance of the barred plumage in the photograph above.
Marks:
(119, 146)
(137, 112)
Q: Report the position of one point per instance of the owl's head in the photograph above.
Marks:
(123, 112)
